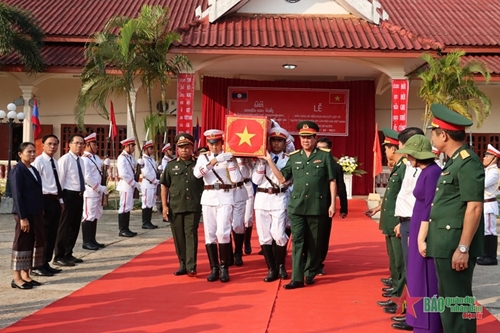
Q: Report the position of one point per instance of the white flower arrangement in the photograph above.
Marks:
(350, 166)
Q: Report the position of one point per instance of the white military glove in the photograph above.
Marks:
(140, 162)
(107, 162)
(103, 189)
(224, 157)
(137, 186)
(156, 182)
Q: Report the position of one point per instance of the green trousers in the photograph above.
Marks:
(452, 283)
(307, 239)
(185, 233)
(397, 265)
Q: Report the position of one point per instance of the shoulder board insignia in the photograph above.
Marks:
(325, 150)
(464, 154)
(178, 159)
(294, 152)
(405, 160)
(205, 152)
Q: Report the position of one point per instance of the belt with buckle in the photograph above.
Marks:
(239, 184)
(404, 219)
(246, 180)
(218, 186)
(490, 200)
(271, 190)
(54, 196)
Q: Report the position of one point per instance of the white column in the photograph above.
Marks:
(28, 91)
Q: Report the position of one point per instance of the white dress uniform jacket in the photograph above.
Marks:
(92, 175)
(241, 193)
(491, 189)
(149, 173)
(126, 164)
(267, 201)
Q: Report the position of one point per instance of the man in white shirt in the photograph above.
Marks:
(52, 200)
(149, 185)
(126, 165)
(71, 176)
(92, 198)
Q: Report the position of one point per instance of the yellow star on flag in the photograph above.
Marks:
(337, 98)
(245, 137)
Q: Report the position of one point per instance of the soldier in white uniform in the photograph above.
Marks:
(218, 170)
(270, 206)
(490, 209)
(149, 185)
(240, 204)
(126, 169)
(92, 197)
(168, 156)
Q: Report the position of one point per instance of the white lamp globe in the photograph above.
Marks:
(12, 115)
(20, 116)
(2, 114)
(11, 107)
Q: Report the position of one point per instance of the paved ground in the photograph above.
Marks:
(16, 304)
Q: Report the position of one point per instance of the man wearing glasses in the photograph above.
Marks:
(126, 170)
(71, 177)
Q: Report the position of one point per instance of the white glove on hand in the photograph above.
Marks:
(103, 189)
(156, 182)
(140, 162)
(137, 186)
(107, 162)
(220, 158)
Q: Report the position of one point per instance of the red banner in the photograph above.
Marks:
(399, 104)
(329, 108)
(185, 103)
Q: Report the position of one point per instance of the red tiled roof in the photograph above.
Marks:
(451, 22)
(493, 61)
(81, 18)
(304, 32)
(55, 54)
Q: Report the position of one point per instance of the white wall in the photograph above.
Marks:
(309, 7)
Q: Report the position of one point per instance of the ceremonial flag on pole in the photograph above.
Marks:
(113, 129)
(35, 120)
(377, 154)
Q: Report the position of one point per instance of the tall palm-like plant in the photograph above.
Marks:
(20, 34)
(112, 49)
(445, 80)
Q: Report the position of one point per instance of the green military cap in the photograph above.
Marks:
(391, 136)
(447, 119)
(183, 139)
(307, 128)
(419, 147)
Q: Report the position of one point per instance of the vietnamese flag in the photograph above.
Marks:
(377, 154)
(113, 129)
(337, 97)
(246, 136)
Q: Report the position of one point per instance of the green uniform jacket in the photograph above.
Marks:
(184, 188)
(311, 181)
(388, 218)
(461, 180)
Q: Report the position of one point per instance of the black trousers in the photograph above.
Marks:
(50, 223)
(69, 224)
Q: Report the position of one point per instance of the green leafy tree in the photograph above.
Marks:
(447, 80)
(20, 34)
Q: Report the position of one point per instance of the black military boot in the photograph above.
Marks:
(280, 254)
(490, 246)
(213, 258)
(123, 222)
(272, 274)
(87, 237)
(231, 259)
(225, 255)
(147, 214)
(248, 238)
(94, 232)
(238, 249)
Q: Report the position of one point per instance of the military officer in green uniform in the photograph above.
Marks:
(312, 201)
(389, 220)
(181, 196)
(456, 223)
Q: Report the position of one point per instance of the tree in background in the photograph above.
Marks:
(450, 81)
(20, 34)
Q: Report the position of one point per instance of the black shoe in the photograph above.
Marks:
(41, 271)
(90, 246)
(391, 309)
(33, 283)
(126, 233)
(224, 274)
(387, 294)
(192, 273)
(282, 272)
(25, 285)
(75, 260)
(388, 290)
(52, 269)
(487, 261)
(402, 326)
(238, 259)
(321, 271)
(99, 245)
(310, 280)
(399, 319)
(214, 275)
(386, 303)
(272, 275)
(149, 225)
(386, 280)
(388, 284)
(180, 272)
(294, 285)
(63, 262)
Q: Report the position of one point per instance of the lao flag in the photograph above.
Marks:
(36, 120)
(239, 96)
(113, 129)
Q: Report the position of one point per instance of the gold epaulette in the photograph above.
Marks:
(325, 150)
(405, 160)
(293, 152)
(464, 154)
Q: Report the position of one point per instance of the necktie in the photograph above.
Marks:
(58, 184)
(275, 159)
(80, 175)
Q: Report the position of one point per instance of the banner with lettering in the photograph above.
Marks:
(185, 103)
(329, 108)
(399, 104)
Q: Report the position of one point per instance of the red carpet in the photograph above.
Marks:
(144, 296)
